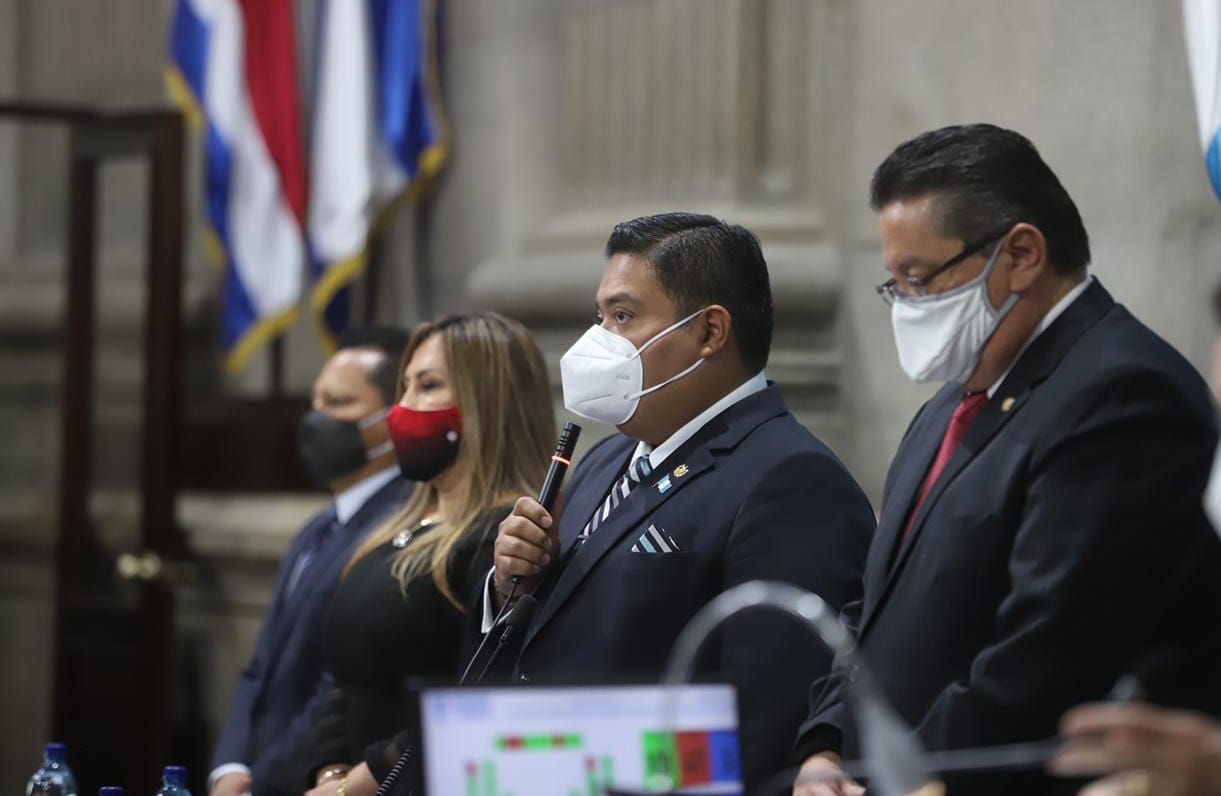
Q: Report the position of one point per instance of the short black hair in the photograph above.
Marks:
(985, 178)
(392, 342)
(701, 260)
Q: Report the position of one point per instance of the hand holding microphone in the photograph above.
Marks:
(526, 544)
(528, 540)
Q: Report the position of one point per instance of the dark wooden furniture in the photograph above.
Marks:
(114, 635)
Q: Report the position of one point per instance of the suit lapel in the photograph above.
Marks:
(722, 433)
(588, 501)
(379, 505)
(990, 420)
(922, 449)
(329, 559)
(1032, 367)
(641, 502)
(284, 612)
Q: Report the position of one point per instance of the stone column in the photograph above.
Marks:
(609, 109)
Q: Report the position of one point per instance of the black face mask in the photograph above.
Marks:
(331, 448)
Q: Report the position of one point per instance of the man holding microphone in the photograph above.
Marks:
(711, 482)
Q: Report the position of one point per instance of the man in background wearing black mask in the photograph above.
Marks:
(344, 446)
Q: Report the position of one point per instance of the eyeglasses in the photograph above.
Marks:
(892, 289)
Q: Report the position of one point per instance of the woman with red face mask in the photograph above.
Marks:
(474, 427)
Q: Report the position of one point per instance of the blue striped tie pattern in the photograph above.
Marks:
(636, 472)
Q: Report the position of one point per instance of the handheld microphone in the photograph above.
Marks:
(560, 461)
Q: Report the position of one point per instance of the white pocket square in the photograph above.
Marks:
(655, 541)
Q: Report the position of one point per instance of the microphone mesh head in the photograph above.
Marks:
(568, 440)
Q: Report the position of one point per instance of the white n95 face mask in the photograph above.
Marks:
(940, 337)
(603, 377)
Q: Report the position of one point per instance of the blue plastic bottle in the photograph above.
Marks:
(174, 782)
(53, 778)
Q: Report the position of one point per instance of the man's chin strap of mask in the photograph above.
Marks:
(372, 420)
(640, 351)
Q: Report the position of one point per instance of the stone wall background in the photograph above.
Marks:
(570, 115)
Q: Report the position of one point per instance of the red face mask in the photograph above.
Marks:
(425, 443)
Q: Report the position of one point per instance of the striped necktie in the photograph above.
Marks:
(636, 472)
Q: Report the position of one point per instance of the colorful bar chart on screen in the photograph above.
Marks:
(580, 741)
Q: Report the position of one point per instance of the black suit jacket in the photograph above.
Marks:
(283, 685)
(1063, 546)
(753, 496)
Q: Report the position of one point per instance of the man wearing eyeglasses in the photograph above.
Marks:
(1041, 532)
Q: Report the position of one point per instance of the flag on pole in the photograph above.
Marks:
(378, 135)
(233, 68)
(1202, 27)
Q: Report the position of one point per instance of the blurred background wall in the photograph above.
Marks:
(567, 116)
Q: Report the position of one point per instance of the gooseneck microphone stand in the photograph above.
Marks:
(893, 757)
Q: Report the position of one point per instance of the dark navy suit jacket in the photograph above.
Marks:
(752, 496)
(1063, 546)
(284, 681)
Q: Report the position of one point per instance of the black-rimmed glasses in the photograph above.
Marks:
(917, 287)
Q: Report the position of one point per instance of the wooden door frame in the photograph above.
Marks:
(95, 138)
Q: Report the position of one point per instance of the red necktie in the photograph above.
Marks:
(964, 415)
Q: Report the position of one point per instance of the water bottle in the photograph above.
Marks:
(54, 778)
(174, 782)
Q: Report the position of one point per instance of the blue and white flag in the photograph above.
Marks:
(378, 132)
(1202, 27)
(233, 68)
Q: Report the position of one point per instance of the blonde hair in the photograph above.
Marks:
(499, 383)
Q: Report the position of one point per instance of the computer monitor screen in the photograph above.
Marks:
(580, 741)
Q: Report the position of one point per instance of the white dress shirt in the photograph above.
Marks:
(756, 383)
(350, 500)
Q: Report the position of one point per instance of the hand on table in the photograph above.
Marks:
(1154, 751)
(821, 776)
(232, 784)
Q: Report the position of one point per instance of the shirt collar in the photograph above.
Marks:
(1055, 312)
(756, 383)
(352, 499)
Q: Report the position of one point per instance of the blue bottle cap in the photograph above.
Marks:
(56, 752)
(110, 790)
(175, 773)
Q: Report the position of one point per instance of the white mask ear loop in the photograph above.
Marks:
(373, 420)
(666, 331)
(676, 376)
(1003, 310)
(656, 387)
(379, 450)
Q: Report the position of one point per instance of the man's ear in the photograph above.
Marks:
(1027, 251)
(715, 326)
